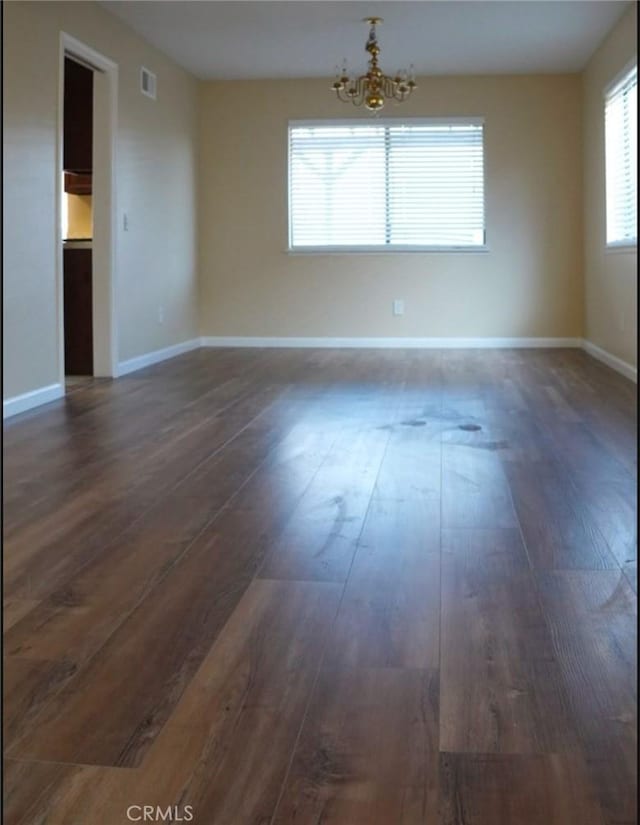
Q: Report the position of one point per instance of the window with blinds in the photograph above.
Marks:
(621, 151)
(386, 185)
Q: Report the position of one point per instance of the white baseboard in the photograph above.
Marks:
(612, 361)
(149, 358)
(29, 400)
(44, 395)
(391, 343)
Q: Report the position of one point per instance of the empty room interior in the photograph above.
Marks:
(320, 412)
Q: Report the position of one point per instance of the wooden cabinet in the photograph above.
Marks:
(78, 312)
(78, 118)
(76, 184)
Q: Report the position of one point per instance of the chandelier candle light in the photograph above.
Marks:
(374, 87)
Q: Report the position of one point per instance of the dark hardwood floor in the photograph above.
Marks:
(325, 586)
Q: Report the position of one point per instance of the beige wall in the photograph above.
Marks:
(528, 284)
(611, 280)
(156, 182)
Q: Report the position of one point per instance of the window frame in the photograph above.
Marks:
(624, 245)
(388, 249)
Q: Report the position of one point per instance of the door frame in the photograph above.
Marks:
(104, 254)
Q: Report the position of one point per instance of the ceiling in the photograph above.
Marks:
(307, 38)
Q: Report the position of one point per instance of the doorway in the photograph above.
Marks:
(86, 200)
(77, 218)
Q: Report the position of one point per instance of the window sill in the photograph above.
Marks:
(617, 248)
(376, 250)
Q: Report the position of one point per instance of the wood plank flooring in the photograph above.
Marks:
(292, 587)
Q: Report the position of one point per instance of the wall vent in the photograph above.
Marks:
(147, 83)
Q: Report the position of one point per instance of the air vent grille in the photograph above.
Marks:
(147, 83)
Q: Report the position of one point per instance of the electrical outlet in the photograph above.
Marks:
(161, 315)
(398, 306)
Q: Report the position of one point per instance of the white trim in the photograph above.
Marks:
(57, 228)
(617, 364)
(149, 358)
(390, 343)
(386, 249)
(386, 121)
(29, 400)
(44, 395)
(629, 246)
(620, 76)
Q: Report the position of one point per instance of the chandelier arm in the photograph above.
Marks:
(351, 89)
(358, 99)
(390, 86)
(361, 86)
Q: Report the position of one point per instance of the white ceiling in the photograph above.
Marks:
(306, 38)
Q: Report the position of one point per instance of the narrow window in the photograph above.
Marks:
(621, 148)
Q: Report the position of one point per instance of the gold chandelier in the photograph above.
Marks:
(374, 87)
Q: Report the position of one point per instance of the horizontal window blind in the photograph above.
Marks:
(621, 150)
(386, 185)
